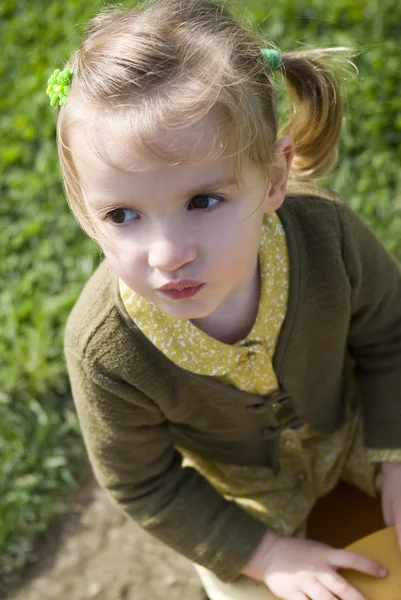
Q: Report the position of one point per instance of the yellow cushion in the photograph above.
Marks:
(381, 546)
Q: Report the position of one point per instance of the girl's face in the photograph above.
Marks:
(188, 227)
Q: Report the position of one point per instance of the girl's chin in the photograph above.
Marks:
(184, 312)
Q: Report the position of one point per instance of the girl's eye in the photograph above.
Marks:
(204, 201)
(119, 216)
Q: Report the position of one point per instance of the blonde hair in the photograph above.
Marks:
(170, 62)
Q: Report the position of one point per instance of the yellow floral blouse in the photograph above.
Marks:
(311, 463)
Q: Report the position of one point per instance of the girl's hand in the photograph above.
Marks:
(295, 569)
(391, 495)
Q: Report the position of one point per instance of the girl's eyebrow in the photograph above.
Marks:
(211, 185)
(100, 204)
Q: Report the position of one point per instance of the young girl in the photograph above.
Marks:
(239, 350)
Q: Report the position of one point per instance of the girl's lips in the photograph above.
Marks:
(181, 293)
(180, 284)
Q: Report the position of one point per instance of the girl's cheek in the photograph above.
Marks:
(114, 243)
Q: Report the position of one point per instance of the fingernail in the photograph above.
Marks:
(383, 572)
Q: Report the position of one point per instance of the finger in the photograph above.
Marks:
(344, 559)
(398, 530)
(387, 513)
(317, 590)
(397, 520)
(387, 517)
(340, 587)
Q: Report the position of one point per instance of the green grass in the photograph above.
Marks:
(45, 259)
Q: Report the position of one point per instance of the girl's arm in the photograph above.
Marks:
(374, 339)
(374, 342)
(131, 450)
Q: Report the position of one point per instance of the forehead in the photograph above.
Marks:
(110, 160)
(106, 138)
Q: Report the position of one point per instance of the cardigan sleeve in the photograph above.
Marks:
(133, 457)
(374, 339)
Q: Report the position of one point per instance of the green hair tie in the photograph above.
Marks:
(58, 86)
(272, 58)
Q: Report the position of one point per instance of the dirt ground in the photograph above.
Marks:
(95, 552)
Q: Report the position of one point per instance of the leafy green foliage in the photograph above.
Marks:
(45, 259)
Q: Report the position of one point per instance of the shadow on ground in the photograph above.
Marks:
(94, 551)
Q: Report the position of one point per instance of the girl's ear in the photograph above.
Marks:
(278, 178)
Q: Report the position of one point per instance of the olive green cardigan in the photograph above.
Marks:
(341, 335)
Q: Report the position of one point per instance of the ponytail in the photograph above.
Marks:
(316, 107)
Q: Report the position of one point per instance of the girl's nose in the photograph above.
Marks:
(168, 255)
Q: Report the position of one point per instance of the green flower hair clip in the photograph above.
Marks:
(58, 86)
(272, 58)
